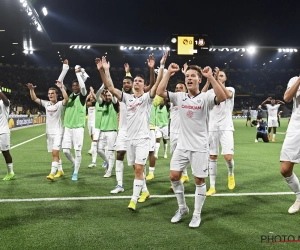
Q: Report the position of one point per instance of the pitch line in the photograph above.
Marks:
(128, 197)
(27, 141)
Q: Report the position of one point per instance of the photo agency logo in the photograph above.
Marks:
(272, 238)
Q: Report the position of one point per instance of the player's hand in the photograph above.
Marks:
(30, 86)
(91, 89)
(78, 70)
(173, 68)
(127, 68)
(105, 63)
(98, 63)
(207, 72)
(151, 61)
(164, 58)
(216, 73)
(59, 84)
(185, 66)
(66, 61)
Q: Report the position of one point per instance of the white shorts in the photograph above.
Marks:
(73, 136)
(107, 140)
(91, 128)
(137, 151)
(152, 140)
(54, 142)
(121, 141)
(199, 162)
(5, 142)
(291, 148)
(223, 138)
(272, 122)
(162, 132)
(173, 141)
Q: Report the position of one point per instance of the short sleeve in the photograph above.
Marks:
(173, 98)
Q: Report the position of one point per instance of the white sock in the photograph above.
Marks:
(178, 189)
(230, 166)
(165, 148)
(293, 183)
(137, 186)
(77, 161)
(59, 168)
(144, 188)
(10, 169)
(184, 172)
(54, 167)
(119, 172)
(200, 195)
(94, 152)
(273, 136)
(157, 145)
(151, 170)
(68, 155)
(91, 146)
(212, 165)
(111, 160)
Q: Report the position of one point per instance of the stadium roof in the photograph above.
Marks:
(49, 49)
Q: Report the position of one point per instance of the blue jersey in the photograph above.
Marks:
(262, 127)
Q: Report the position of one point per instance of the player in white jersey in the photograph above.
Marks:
(175, 126)
(5, 135)
(272, 110)
(122, 137)
(54, 125)
(138, 114)
(90, 103)
(221, 133)
(290, 153)
(192, 146)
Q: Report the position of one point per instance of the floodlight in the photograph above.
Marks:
(31, 52)
(71, 46)
(24, 4)
(39, 28)
(251, 49)
(88, 47)
(45, 12)
(295, 50)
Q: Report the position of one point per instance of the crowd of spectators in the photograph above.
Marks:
(252, 86)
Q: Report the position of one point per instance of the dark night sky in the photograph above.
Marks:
(263, 23)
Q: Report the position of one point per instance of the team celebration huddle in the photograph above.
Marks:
(196, 119)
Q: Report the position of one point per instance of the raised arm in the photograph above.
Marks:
(265, 101)
(64, 71)
(280, 102)
(32, 93)
(206, 86)
(151, 64)
(103, 68)
(162, 87)
(127, 69)
(228, 93)
(292, 91)
(79, 73)
(183, 70)
(4, 98)
(63, 91)
(220, 94)
(160, 74)
(98, 97)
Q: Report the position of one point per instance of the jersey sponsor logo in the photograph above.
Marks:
(190, 107)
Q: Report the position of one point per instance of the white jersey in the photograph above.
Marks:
(220, 117)
(54, 123)
(138, 115)
(123, 117)
(91, 115)
(272, 111)
(4, 112)
(295, 118)
(193, 114)
(174, 117)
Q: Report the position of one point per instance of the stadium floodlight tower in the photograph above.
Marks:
(251, 49)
